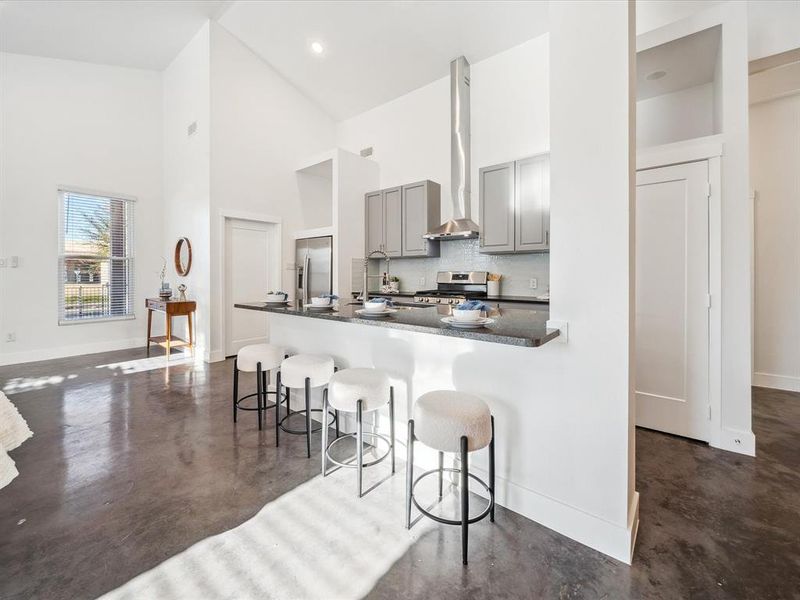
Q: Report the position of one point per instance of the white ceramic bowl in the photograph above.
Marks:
(375, 306)
(320, 302)
(275, 298)
(466, 315)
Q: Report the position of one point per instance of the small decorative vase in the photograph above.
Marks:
(165, 293)
(182, 290)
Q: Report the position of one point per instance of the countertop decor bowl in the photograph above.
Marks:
(320, 301)
(466, 315)
(375, 306)
(276, 297)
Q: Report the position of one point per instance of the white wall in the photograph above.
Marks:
(510, 119)
(187, 177)
(591, 258)
(72, 123)
(262, 128)
(775, 177)
(681, 115)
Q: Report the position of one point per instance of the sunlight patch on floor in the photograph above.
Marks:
(139, 365)
(317, 541)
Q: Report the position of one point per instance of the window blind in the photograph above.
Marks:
(95, 264)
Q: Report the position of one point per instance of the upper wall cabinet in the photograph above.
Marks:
(421, 213)
(515, 206)
(397, 218)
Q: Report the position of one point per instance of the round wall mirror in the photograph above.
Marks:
(183, 256)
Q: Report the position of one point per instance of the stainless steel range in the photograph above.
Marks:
(453, 287)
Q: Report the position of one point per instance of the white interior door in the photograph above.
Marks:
(672, 301)
(247, 269)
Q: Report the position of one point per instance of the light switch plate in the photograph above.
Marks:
(534, 283)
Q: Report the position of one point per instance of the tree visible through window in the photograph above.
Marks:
(96, 257)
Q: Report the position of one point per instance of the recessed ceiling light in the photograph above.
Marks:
(655, 75)
(317, 48)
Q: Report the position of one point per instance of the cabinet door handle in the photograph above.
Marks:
(547, 238)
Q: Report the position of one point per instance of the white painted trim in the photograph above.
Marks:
(777, 382)
(680, 152)
(275, 236)
(715, 290)
(310, 233)
(735, 440)
(15, 358)
(590, 530)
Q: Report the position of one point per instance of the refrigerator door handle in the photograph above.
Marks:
(306, 278)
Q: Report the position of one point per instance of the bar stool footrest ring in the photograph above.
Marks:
(314, 429)
(438, 519)
(240, 407)
(374, 436)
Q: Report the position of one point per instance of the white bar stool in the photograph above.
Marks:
(304, 371)
(358, 391)
(260, 359)
(450, 421)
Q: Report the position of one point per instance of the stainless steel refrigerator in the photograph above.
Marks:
(314, 264)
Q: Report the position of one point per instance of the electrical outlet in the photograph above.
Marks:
(11, 337)
(13, 262)
(2, 262)
(534, 283)
(422, 281)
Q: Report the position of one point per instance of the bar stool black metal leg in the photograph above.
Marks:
(409, 470)
(464, 499)
(336, 419)
(491, 472)
(265, 389)
(308, 416)
(359, 443)
(278, 409)
(324, 430)
(441, 473)
(259, 392)
(235, 387)
(391, 421)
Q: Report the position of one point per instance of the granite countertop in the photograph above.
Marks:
(515, 327)
(500, 298)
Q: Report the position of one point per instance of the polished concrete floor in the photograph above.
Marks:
(132, 463)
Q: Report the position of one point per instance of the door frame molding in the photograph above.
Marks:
(710, 149)
(275, 237)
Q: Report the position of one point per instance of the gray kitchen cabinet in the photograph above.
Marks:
(421, 213)
(374, 218)
(515, 206)
(396, 219)
(393, 221)
(497, 208)
(532, 204)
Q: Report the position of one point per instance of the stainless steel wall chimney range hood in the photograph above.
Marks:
(460, 227)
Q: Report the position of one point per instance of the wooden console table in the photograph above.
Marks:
(170, 308)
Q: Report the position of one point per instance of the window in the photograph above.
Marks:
(95, 258)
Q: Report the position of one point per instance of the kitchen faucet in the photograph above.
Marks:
(364, 292)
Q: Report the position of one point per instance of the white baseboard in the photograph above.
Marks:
(14, 358)
(777, 382)
(597, 533)
(214, 356)
(735, 440)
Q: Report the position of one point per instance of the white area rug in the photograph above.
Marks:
(318, 541)
(13, 431)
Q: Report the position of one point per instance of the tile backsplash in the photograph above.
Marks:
(463, 255)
